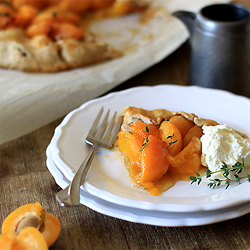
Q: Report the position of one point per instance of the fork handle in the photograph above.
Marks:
(79, 178)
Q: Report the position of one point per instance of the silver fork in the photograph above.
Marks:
(98, 139)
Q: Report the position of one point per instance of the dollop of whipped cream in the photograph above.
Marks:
(221, 144)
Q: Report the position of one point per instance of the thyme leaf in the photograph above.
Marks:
(171, 142)
(146, 140)
(144, 144)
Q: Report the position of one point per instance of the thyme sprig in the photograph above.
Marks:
(236, 169)
(146, 140)
(171, 142)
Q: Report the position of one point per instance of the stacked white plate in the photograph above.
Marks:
(109, 190)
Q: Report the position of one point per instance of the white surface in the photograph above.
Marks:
(108, 178)
(29, 101)
(157, 218)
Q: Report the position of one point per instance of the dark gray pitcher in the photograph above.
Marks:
(220, 44)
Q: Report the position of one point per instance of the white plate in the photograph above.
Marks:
(108, 178)
(156, 218)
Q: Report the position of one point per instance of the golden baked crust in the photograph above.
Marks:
(157, 116)
(41, 54)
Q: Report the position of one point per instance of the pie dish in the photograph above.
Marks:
(106, 178)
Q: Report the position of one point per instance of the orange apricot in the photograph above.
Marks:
(195, 131)
(32, 215)
(144, 129)
(182, 123)
(120, 8)
(172, 136)
(188, 160)
(40, 28)
(28, 239)
(130, 145)
(38, 4)
(99, 4)
(6, 241)
(25, 15)
(56, 14)
(75, 5)
(66, 30)
(154, 163)
(7, 16)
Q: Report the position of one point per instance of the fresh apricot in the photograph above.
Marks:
(28, 239)
(6, 241)
(172, 136)
(182, 123)
(195, 131)
(188, 160)
(144, 129)
(32, 215)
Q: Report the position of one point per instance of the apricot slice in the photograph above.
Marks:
(66, 30)
(195, 131)
(25, 15)
(154, 163)
(188, 160)
(144, 129)
(32, 215)
(75, 5)
(99, 4)
(40, 28)
(172, 136)
(38, 4)
(56, 14)
(182, 123)
(130, 145)
(7, 16)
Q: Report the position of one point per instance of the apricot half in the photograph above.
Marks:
(188, 160)
(172, 136)
(154, 161)
(28, 239)
(32, 215)
(182, 123)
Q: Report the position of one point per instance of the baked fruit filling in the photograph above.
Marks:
(55, 35)
(58, 19)
(161, 147)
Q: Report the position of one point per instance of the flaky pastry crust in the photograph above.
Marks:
(157, 116)
(41, 54)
